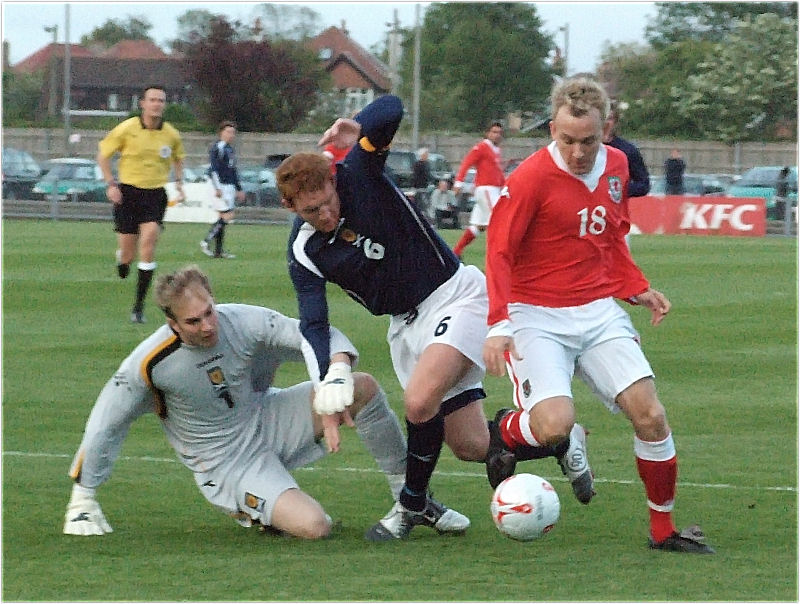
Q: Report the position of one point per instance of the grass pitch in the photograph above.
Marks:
(726, 365)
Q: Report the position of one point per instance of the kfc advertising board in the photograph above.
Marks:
(673, 214)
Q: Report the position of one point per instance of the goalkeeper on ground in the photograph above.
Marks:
(207, 373)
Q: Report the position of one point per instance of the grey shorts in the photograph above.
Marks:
(247, 486)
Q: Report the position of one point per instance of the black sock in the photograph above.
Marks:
(220, 236)
(141, 288)
(424, 446)
(212, 232)
(123, 270)
(527, 452)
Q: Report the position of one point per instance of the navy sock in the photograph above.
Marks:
(424, 446)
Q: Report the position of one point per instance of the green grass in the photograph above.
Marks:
(726, 363)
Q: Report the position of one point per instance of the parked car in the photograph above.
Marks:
(762, 181)
(440, 168)
(260, 186)
(274, 160)
(20, 173)
(400, 165)
(77, 180)
(693, 185)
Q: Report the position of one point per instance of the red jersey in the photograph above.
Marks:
(552, 241)
(335, 154)
(486, 158)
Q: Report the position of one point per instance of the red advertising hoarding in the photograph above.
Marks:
(673, 214)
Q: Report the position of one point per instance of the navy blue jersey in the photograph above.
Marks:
(222, 158)
(384, 253)
(639, 183)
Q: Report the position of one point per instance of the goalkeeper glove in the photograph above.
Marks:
(335, 393)
(84, 516)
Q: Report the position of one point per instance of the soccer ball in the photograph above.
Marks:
(525, 507)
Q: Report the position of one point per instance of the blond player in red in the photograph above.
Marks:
(487, 160)
(556, 259)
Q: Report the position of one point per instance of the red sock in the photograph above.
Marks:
(659, 478)
(511, 431)
(467, 237)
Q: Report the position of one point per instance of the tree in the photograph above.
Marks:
(113, 31)
(479, 61)
(644, 77)
(18, 90)
(263, 86)
(192, 25)
(747, 86)
(706, 21)
(285, 21)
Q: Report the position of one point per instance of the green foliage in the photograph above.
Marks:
(280, 21)
(747, 84)
(467, 53)
(20, 97)
(707, 21)
(726, 361)
(646, 78)
(116, 30)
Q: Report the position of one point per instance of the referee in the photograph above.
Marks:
(148, 146)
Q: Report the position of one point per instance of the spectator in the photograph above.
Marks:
(673, 173)
(445, 205)
(422, 180)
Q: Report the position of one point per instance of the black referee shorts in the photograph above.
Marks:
(139, 206)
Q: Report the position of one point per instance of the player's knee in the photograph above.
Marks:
(552, 429)
(365, 386)
(316, 527)
(470, 450)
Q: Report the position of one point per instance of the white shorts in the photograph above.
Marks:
(454, 314)
(227, 201)
(248, 485)
(596, 341)
(485, 199)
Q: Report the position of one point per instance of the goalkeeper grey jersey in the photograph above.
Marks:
(210, 400)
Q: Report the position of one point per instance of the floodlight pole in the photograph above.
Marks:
(67, 80)
(415, 109)
(51, 97)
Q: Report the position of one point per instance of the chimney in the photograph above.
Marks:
(344, 28)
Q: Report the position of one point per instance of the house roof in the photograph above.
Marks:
(346, 52)
(134, 49)
(41, 58)
(102, 72)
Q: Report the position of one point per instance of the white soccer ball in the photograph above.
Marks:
(525, 507)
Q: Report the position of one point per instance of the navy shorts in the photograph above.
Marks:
(139, 206)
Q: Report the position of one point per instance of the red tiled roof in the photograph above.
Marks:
(134, 49)
(373, 71)
(41, 58)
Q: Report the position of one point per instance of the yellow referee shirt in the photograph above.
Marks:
(145, 155)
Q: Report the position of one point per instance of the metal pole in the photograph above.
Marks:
(67, 80)
(417, 45)
(51, 97)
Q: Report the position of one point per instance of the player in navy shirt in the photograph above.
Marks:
(227, 188)
(359, 231)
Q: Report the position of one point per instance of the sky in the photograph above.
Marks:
(590, 24)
